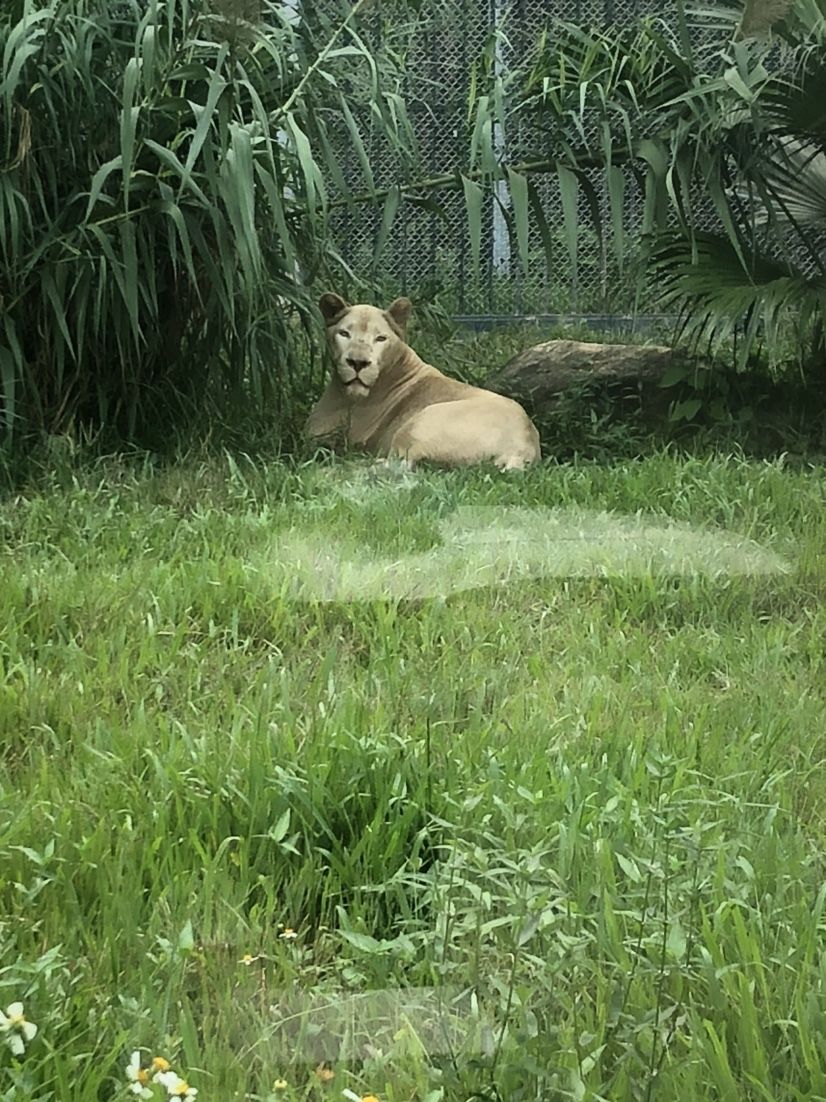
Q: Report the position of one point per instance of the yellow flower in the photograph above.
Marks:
(280, 1085)
(247, 959)
(159, 1064)
(288, 933)
(324, 1075)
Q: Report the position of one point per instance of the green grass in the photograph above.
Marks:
(594, 804)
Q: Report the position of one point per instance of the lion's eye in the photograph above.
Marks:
(381, 337)
(343, 333)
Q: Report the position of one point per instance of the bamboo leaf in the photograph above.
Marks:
(51, 292)
(616, 199)
(237, 189)
(168, 157)
(423, 202)
(314, 183)
(543, 227)
(195, 70)
(474, 199)
(329, 159)
(481, 142)
(171, 208)
(391, 206)
(130, 276)
(148, 45)
(114, 264)
(98, 181)
(23, 42)
(358, 144)
(569, 194)
(274, 198)
(521, 205)
(128, 125)
(215, 280)
(204, 114)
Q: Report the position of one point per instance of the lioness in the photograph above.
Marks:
(386, 400)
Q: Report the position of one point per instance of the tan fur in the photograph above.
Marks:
(385, 400)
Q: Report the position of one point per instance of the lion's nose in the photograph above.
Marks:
(357, 364)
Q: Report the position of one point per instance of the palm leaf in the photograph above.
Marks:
(770, 304)
(795, 186)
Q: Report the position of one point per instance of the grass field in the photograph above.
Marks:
(272, 833)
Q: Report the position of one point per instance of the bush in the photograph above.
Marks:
(162, 204)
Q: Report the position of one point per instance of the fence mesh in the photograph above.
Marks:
(430, 252)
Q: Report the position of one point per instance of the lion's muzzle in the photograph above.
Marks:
(358, 375)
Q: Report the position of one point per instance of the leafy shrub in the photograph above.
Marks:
(163, 202)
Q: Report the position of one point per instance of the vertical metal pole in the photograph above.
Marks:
(501, 249)
(291, 11)
(460, 239)
(434, 135)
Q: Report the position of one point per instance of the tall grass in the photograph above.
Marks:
(589, 810)
(164, 170)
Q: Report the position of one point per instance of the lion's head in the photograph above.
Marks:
(363, 340)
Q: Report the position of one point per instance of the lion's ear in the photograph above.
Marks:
(399, 312)
(332, 307)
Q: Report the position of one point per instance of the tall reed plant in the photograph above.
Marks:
(164, 177)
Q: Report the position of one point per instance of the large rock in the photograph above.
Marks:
(540, 374)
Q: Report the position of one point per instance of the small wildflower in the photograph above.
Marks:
(288, 934)
(138, 1077)
(280, 1085)
(160, 1064)
(175, 1086)
(247, 959)
(324, 1075)
(353, 1097)
(17, 1029)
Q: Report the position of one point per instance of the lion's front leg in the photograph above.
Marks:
(328, 422)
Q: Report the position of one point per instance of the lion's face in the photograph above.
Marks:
(363, 340)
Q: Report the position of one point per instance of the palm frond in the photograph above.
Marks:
(771, 305)
(794, 179)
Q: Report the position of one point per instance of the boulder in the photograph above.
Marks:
(540, 374)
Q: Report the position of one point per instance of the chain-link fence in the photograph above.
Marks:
(429, 250)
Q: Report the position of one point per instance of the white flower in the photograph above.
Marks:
(18, 1031)
(175, 1086)
(138, 1077)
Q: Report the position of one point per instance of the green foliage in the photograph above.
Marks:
(714, 124)
(164, 176)
(594, 805)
